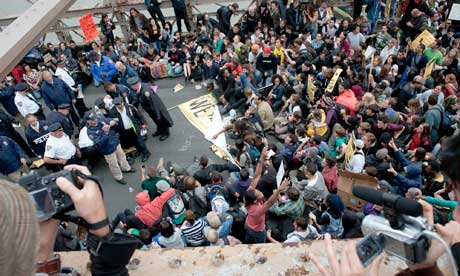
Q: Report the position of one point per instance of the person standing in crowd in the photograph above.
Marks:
(13, 160)
(56, 92)
(61, 116)
(154, 106)
(180, 11)
(101, 132)
(60, 151)
(7, 129)
(130, 125)
(7, 97)
(107, 28)
(26, 103)
(224, 16)
(37, 134)
(153, 6)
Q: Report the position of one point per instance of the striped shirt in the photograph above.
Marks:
(194, 233)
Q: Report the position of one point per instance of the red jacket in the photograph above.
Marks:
(348, 99)
(151, 211)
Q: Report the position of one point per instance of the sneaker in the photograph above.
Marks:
(145, 157)
(121, 181)
(132, 170)
(164, 137)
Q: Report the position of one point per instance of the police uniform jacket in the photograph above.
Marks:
(154, 106)
(10, 155)
(57, 93)
(56, 117)
(105, 143)
(37, 140)
(6, 129)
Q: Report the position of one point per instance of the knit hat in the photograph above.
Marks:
(336, 202)
(267, 50)
(385, 138)
(162, 185)
(381, 154)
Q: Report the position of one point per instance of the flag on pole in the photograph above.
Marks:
(428, 69)
(311, 92)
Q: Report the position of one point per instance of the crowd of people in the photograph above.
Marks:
(304, 90)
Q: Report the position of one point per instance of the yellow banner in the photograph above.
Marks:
(350, 148)
(428, 69)
(387, 9)
(331, 85)
(199, 112)
(330, 12)
(426, 38)
(311, 92)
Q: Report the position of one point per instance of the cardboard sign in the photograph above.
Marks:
(350, 149)
(347, 180)
(426, 38)
(331, 85)
(311, 92)
(88, 27)
(428, 69)
(47, 58)
(280, 174)
(387, 9)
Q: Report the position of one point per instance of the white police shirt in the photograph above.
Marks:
(60, 148)
(25, 104)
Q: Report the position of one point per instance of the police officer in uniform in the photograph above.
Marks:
(36, 134)
(59, 150)
(119, 90)
(154, 106)
(13, 159)
(7, 98)
(61, 116)
(101, 132)
(26, 103)
(7, 129)
(130, 124)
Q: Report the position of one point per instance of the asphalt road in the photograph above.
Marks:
(184, 143)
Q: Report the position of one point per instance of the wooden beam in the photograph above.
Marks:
(24, 32)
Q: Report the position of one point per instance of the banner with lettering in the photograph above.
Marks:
(88, 27)
(331, 85)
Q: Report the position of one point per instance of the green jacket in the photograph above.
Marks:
(443, 203)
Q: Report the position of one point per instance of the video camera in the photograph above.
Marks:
(49, 200)
(402, 232)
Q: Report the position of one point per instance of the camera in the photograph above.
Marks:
(401, 232)
(49, 200)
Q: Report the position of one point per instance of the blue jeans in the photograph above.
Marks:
(246, 83)
(96, 83)
(36, 94)
(259, 76)
(252, 236)
(175, 72)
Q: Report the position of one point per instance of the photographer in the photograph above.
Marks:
(20, 235)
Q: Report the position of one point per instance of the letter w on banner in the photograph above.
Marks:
(88, 27)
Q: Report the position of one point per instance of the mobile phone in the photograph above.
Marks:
(369, 248)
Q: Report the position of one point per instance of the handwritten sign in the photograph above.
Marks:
(331, 85)
(311, 92)
(88, 27)
(425, 38)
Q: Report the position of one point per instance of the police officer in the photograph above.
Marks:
(56, 92)
(26, 103)
(119, 90)
(61, 116)
(12, 159)
(7, 129)
(101, 132)
(37, 134)
(154, 106)
(102, 106)
(59, 150)
(7, 98)
(130, 124)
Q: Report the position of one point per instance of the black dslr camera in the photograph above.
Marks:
(49, 200)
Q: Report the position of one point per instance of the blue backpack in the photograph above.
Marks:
(254, 154)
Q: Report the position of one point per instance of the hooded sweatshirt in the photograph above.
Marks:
(151, 211)
(348, 99)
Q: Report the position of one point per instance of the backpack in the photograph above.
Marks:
(176, 208)
(196, 205)
(254, 154)
(445, 126)
(216, 198)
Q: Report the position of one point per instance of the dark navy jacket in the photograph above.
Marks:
(56, 117)
(37, 140)
(10, 155)
(105, 143)
(57, 93)
(7, 99)
(6, 129)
